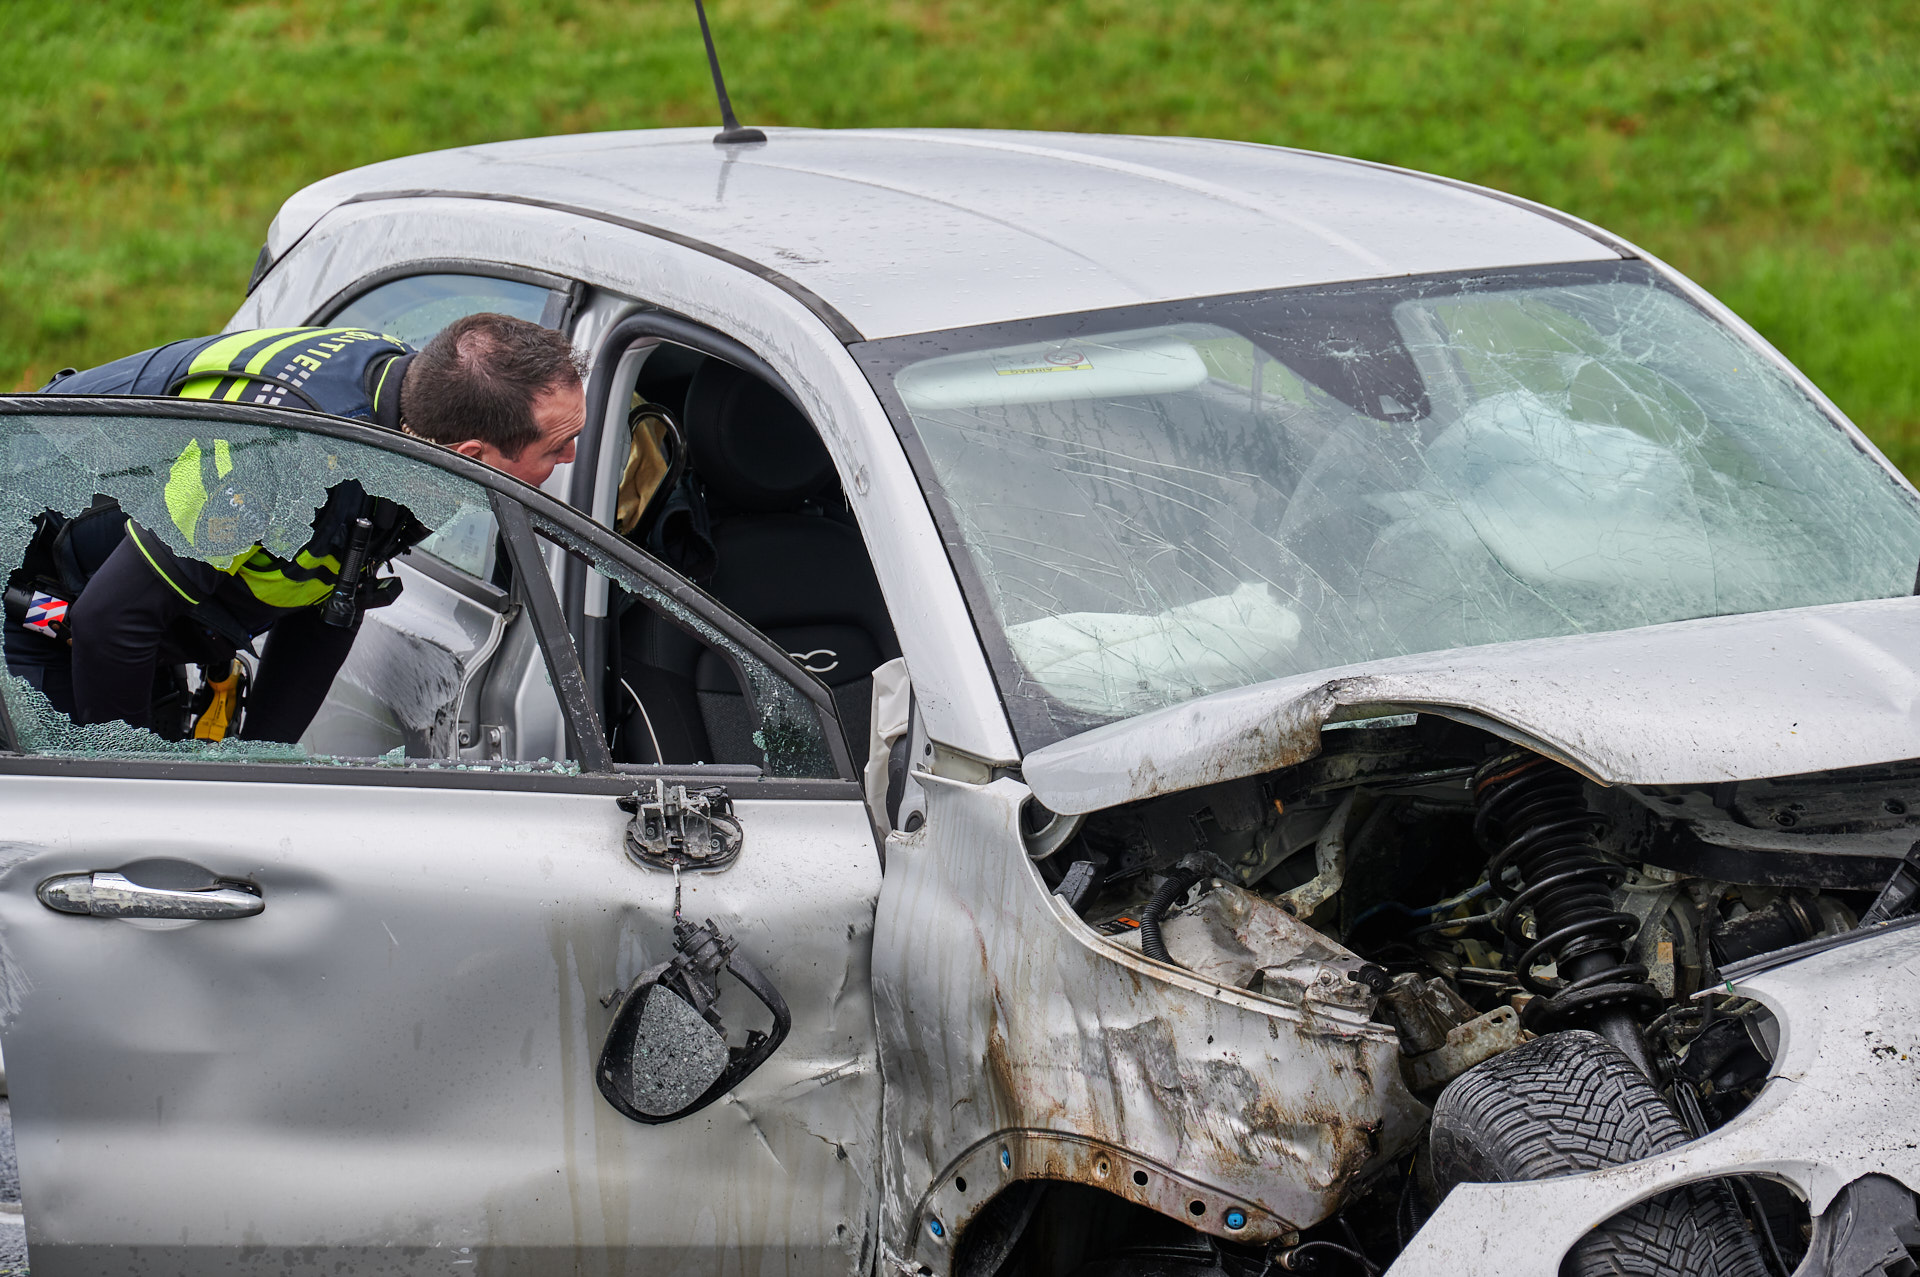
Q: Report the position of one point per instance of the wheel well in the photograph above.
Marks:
(1051, 1228)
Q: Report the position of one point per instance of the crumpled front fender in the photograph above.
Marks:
(1018, 1043)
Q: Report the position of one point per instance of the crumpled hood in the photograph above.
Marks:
(1693, 702)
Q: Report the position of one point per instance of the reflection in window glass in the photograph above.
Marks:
(415, 308)
(468, 540)
(398, 693)
(1227, 491)
(415, 679)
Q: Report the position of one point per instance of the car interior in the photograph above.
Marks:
(748, 506)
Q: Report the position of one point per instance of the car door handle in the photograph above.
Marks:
(112, 895)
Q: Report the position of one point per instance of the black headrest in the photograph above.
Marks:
(753, 448)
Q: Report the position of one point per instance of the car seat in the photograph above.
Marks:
(787, 558)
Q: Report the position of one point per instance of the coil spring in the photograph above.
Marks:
(1532, 816)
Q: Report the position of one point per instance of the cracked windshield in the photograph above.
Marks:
(1171, 501)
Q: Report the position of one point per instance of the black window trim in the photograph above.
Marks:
(518, 507)
(586, 734)
(652, 321)
(459, 580)
(563, 294)
(627, 332)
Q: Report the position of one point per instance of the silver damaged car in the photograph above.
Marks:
(1090, 705)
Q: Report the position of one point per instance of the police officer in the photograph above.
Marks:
(503, 391)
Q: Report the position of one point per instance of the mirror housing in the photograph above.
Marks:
(666, 1055)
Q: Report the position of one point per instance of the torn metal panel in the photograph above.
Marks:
(1652, 706)
(1466, 1045)
(1245, 941)
(1001, 1013)
(1843, 1103)
(1022, 1155)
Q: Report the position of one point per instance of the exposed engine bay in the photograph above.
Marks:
(1526, 933)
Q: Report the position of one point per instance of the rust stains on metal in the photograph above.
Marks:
(1010, 1156)
(1241, 1114)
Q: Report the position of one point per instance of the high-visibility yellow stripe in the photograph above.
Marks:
(257, 346)
(381, 384)
(229, 351)
(157, 570)
(305, 566)
(186, 493)
(267, 583)
(222, 458)
(259, 362)
(223, 353)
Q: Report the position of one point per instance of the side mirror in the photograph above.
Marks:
(666, 1055)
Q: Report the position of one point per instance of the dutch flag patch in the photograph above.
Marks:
(44, 613)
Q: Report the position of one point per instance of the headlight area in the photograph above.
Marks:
(1645, 1014)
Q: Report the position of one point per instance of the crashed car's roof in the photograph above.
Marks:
(1688, 703)
(914, 231)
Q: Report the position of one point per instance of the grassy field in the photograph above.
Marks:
(1771, 148)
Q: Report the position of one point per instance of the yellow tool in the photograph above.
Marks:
(216, 720)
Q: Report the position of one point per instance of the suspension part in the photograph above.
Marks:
(1532, 817)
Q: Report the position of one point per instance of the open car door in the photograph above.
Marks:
(272, 1008)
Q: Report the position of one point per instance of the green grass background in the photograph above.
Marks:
(1770, 148)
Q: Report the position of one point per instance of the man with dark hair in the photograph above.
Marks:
(501, 390)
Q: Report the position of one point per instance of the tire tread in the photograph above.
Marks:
(1571, 1102)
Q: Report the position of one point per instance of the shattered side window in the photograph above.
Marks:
(411, 686)
(680, 691)
(217, 493)
(469, 541)
(1214, 493)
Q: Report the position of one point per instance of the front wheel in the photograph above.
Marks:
(1572, 1102)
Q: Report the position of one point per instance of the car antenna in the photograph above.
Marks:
(731, 130)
